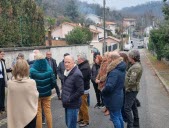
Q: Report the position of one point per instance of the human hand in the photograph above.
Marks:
(97, 81)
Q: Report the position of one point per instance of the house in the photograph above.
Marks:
(112, 43)
(101, 30)
(112, 26)
(129, 22)
(62, 30)
(94, 18)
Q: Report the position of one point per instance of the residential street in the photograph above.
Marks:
(154, 110)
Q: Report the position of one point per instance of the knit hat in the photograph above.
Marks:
(135, 55)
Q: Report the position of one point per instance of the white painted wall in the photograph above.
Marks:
(57, 53)
(113, 29)
(101, 30)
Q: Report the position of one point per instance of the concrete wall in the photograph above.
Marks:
(57, 52)
(99, 46)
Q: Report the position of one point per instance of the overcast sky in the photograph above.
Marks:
(118, 4)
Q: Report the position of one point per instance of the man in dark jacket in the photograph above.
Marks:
(61, 69)
(84, 67)
(113, 91)
(3, 81)
(73, 89)
(52, 63)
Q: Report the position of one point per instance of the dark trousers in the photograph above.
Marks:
(57, 90)
(98, 93)
(32, 124)
(130, 108)
(122, 110)
(2, 95)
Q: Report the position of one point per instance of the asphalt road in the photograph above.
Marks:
(154, 110)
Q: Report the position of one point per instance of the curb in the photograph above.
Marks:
(166, 87)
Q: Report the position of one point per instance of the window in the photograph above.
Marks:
(114, 47)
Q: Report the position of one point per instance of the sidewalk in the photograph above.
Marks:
(160, 69)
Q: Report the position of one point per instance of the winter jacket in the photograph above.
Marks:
(42, 73)
(72, 89)
(102, 73)
(113, 91)
(86, 71)
(105, 69)
(60, 70)
(133, 77)
(94, 72)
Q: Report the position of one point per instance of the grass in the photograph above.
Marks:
(160, 66)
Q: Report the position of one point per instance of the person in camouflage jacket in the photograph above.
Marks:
(132, 85)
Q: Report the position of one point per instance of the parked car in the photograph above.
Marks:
(127, 47)
(141, 44)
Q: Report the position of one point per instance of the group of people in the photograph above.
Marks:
(115, 78)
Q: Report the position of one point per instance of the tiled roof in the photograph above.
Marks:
(110, 23)
(111, 37)
(77, 25)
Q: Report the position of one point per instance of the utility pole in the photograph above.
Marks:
(104, 25)
(122, 36)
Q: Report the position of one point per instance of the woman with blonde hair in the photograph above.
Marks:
(22, 98)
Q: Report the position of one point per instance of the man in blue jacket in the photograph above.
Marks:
(113, 91)
(73, 89)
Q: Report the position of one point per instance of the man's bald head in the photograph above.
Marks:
(69, 62)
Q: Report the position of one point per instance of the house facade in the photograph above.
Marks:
(112, 26)
(62, 30)
(129, 22)
(112, 43)
(101, 30)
